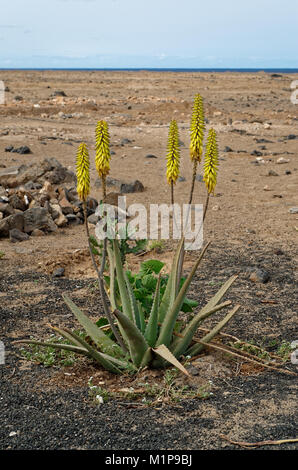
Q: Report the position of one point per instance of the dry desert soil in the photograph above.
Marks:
(249, 223)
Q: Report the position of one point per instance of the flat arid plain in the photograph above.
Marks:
(252, 223)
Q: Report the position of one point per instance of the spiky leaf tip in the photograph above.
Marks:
(83, 176)
(197, 129)
(211, 162)
(103, 156)
(173, 154)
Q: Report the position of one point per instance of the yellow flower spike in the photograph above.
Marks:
(197, 129)
(83, 177)
(211, 162)
(173, 154)
(103, 156)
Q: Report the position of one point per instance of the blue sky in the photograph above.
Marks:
(149, 33)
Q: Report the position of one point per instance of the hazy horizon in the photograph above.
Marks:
(259, 34)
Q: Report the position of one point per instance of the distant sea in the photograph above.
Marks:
(215, 70)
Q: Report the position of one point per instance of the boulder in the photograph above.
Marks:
(72, 219)
(48, 190)
(16, 235)
(38, 218)
(61, 175)
(123, 186)
(93, 219)
(58, 216)
(48, 170)
(18, 202)
(6, 209)
(37, 233)
(15, 221)
(66, 206)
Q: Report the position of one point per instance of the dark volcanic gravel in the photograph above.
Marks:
(244, 408)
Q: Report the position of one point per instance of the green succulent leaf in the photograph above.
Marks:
(112, 283)
(102, 359)
(171, 289)
(142, 318)
(197, 348)
(66, 347)
(136, 342)
(133, 302)
(165, 354)
(180, 345)
(152, 326)
(188, 305)
(166, 331)
(219, 295)
(125, 300)
(105, 343)
(66, 336)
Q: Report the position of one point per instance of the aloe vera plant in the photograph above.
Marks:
(137, 338)
(153, 342)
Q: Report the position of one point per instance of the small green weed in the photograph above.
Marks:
(150, 394)
(49, 356)
(158, 246)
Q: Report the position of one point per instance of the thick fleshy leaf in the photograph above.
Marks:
(136, 342)
(65, 335)
(219, 295)
(133, 302)
(164, 352)
(171, 288)
(118, 362)
(197, 348)
(100, 358)
(112, 294)
(180, 268)
(147, 358)
(179, 345)
(105, 344)
(126, 304)
(152, 326)
(166, 331)
(66, 347)
(142, 317)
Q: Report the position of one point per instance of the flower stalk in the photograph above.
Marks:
(103, 155)
(197, 129)
(83, 189)
(210, 166)
(173, 157)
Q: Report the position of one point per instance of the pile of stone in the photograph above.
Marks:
(34, 175)
(39, 198)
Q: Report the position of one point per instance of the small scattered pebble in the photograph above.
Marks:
(150, 155)
(272, 173)
(59, 272)
(259, 275)
(282, 160)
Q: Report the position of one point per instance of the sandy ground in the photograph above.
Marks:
(248, 225)
(243, 108)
